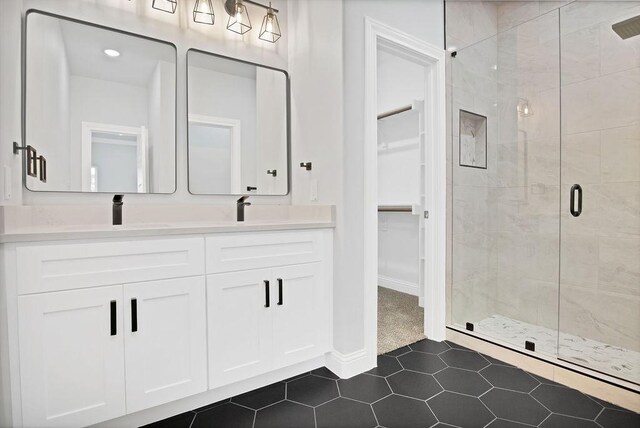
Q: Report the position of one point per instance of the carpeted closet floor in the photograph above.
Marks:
(400, 320)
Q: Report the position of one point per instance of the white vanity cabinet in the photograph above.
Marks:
(102, 328)
(240, 326)
(76, 345)
(71, 357)
(165, 341)
(271, 317)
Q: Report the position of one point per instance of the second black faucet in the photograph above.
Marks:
(240, 207)
(116, 212)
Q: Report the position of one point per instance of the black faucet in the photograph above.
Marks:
(116, 212)
(240, 205)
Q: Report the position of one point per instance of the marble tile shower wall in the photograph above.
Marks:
(505, 225)
(600, 275)
(524, 183)
(503, 232)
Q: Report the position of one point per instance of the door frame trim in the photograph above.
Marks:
(433, 57)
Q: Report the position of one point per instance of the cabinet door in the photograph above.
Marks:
(71, 357)
(166, 352)
(239, 325)
(301, 314)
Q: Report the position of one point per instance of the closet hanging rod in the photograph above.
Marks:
(395, 208)
(395, 111)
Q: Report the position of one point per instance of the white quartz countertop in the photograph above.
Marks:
(53, 223)
(43, 233)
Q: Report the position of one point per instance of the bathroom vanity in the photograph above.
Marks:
(100, 327)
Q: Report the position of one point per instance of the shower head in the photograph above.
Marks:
(627, 28)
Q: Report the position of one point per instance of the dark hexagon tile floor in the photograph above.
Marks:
(426, 384)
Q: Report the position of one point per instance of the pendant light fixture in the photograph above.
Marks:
(239, 21)
(203, 12)
(270, 30)
(165, 5)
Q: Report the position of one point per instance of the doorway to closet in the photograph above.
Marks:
(405, 188)
(400, 144)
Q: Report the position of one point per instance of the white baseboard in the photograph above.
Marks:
(348, 365)
(398, 285)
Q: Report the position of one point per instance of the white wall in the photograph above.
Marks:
(316, 72)
(398, 251)
(421, 19)
(271, 131)
(10, 90)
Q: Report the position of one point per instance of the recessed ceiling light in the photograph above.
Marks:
(111, 52)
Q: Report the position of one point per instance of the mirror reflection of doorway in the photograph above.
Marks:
(214, 155)
(114, 158)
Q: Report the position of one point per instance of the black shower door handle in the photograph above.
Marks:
(575, 189)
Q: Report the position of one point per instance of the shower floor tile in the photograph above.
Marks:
(619, 362)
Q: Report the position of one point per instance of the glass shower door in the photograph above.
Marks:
(599, 319)
(505, 240)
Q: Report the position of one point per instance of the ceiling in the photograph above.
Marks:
(85, 45)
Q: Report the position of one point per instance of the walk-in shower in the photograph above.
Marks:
(546, 240)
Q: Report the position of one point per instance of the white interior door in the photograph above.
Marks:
(71, 357)
(114, 158)
(299, 311)
(240, 325)
(165, 341)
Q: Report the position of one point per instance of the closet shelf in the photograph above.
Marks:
(413, 209)
(415, 105)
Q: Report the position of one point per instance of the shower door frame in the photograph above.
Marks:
(433, 59)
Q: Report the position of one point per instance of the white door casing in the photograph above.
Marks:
(432, 57)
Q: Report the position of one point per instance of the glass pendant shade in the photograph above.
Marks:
(523, 108)
(165, 5)
(239, 22)
(203, 12)
(270, 30)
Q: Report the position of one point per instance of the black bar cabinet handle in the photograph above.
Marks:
(134, 315)
(266, 293)
(114, 319)
(280, 291)
(572, 200)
